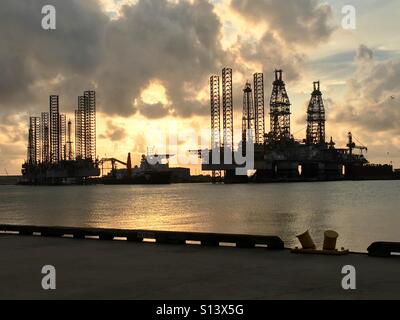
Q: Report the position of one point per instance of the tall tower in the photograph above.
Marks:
(45, 136)
(215, 101)
(90, 124)
(63, 137)
(248, 114)
(79, 129)
(69, 151)
(34, 141)
(85, 126)
(316, 117)
(54, 129)
(227, 107)
(215, 112)
(279, 109)
(259, 107)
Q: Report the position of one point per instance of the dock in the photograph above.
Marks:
(113, 269)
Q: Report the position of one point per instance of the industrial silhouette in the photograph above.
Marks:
(278, 156)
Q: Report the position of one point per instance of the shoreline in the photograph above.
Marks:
(13, 181)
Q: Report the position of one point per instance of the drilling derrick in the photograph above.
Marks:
(63, 135)
(54, 129)
(316, 118)
(279, 109)
(90, 124)
(34, 141)
(79, 128)
(69, 151)
(227, 108)
(248, 114)
(259, 108)
(45, 136)
(215, 119)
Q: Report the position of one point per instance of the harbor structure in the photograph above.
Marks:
(50, 157)
(278, 156)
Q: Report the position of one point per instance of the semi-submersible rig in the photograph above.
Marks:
(278, 156)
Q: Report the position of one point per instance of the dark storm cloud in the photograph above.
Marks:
(33, 60)
(177, 43)
(296, 21)
(153, 110)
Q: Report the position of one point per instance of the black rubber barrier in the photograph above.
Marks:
(168, 237)
(383, 249)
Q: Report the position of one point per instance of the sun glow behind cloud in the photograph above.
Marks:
(153, 93)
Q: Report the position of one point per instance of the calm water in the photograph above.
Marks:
(362, 212)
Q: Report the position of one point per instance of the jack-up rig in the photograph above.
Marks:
(278, 156)
(50, 155)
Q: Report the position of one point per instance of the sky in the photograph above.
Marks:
(150, 62)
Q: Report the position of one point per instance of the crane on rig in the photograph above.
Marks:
(114, 162)
(351, 145)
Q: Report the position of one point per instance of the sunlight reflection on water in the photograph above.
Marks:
(362, 212)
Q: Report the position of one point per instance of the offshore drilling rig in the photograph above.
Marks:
(51, 158)
(278, 156)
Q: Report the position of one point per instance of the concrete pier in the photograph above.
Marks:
(90, 269)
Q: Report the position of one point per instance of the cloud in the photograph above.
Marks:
(305, 22)
(177, 43)
(364, 53)
(153, 110)
(373, 97)
(114, 132)
(269, 53)
(35, 63)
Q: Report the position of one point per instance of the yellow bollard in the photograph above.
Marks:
(306, 240)
(330, 238)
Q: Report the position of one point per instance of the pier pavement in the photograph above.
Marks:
(95, 269)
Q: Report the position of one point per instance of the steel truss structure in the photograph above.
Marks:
(90, 124)
(248, 121)
(54, 129)
(63, 136)
(34, 141)
(85, 126)
(279, 109)
(259, 107)
(316, 118)
(45, 136)
(227, 108)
